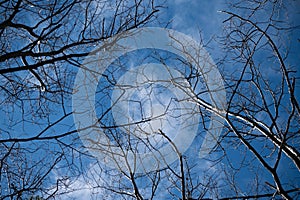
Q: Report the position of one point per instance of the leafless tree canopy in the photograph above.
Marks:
(45, 43)
(42, 45)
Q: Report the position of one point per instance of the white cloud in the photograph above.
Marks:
(88, 185)
(191, 16)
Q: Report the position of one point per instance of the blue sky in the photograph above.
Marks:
(202, 21)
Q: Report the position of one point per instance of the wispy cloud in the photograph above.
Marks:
(191, 16)
(88, 185)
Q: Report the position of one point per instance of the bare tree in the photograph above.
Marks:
(248, 151)
(263, 111)
(42, 45)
